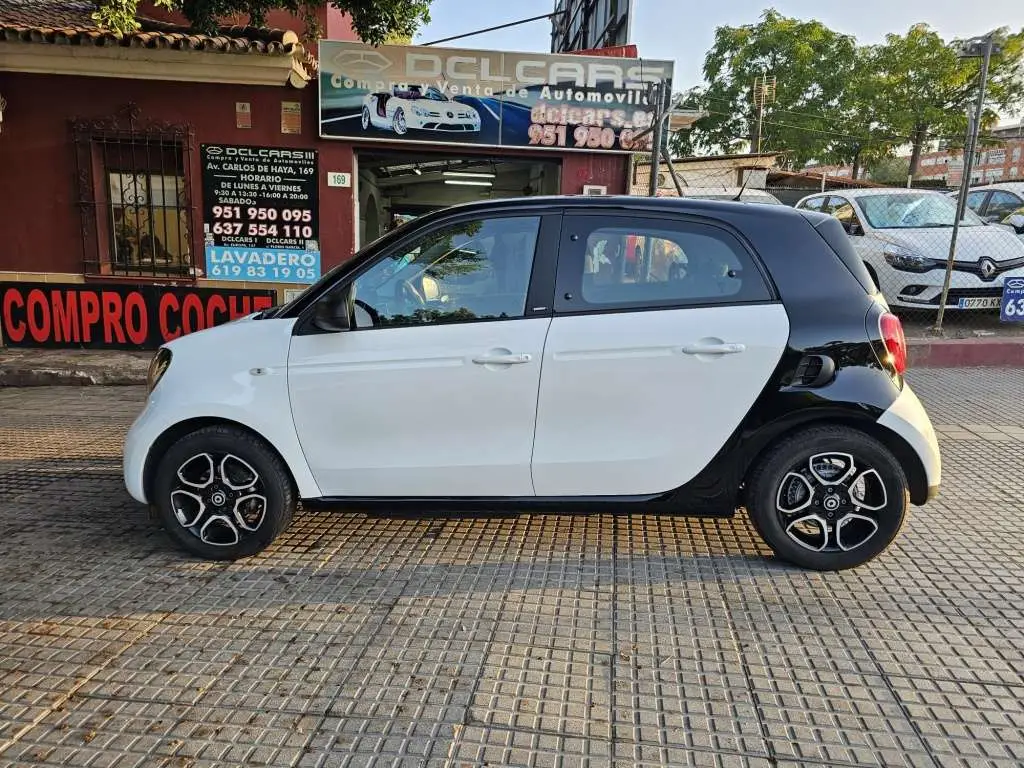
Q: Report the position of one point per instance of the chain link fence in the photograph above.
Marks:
(902, 232)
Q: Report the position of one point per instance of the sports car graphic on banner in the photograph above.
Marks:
(488, 98)
(414, 108)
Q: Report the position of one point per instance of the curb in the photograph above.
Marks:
(68, 377)
(965, 353)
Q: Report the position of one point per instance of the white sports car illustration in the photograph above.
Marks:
(400, 111)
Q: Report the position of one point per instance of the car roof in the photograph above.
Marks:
(679, 205)
(1010, 186)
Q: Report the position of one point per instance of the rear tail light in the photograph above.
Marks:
(895, 343)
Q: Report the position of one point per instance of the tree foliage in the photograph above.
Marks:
(375, 21)
(840, 102)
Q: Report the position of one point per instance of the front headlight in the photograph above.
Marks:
(157, 368)
(419, 111)
(906, 260)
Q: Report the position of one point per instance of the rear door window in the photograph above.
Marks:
(611, 262)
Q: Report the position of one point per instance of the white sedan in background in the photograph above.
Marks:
(903, 236)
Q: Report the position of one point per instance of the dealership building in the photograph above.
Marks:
(164, 181)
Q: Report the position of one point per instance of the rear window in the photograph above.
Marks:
(833, 233)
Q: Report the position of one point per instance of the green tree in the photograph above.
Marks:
(925, 89)
(889, 170)
(813, 66)
(375, 21)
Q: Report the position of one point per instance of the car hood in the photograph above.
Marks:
(973, 243)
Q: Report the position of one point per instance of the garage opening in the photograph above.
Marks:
(398, 186)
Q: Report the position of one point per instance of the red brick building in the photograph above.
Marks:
(102, 151)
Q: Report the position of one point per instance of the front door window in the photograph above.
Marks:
(478, 270)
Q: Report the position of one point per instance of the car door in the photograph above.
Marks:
(433, 391)
(649, 366)
(1001, 204)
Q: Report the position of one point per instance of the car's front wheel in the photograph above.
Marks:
(828, 498)
(222, 493)
(365, 119)
(399, 123)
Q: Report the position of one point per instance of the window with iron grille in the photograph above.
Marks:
(133, 196)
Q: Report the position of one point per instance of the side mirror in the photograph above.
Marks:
(333, 313)
(854, 229)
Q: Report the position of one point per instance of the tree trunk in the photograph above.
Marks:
(920, 135)
(856, 164)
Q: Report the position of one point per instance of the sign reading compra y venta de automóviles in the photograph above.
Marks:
(487, 98)
(261, 214)
(116, 316)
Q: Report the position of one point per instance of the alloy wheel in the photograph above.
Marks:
(218, 498)
(399, 122)
(832, 503)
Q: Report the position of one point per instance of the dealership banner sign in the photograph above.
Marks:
(417, 94)
(116, 316)
(260, 213)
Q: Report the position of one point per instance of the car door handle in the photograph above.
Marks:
(502, 359)
(713, 349)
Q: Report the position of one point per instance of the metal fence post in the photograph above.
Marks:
(965, 181)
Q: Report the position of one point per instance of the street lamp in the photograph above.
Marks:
(977, 47)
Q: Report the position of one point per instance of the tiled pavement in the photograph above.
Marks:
(534, 640)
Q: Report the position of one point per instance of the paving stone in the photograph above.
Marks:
(533, 640)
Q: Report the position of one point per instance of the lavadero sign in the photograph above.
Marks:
(260, 213)
(486, 98)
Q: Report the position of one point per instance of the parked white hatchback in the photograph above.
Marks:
(903, 235)
(664, 355)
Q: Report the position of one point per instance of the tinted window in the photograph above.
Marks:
(478, 270)
(975, 199)
(1002, 204)
(649, 263)
(814, 204)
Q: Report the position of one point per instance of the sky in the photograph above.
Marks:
(683, 30)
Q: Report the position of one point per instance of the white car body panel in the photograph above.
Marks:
(624, 411)
(246, 365)
(406, 412)
(908, 418)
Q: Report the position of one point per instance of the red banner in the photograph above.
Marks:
(116, 316)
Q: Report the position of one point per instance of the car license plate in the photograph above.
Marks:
(978, 302)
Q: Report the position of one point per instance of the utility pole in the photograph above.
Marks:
(764, 93)
(658, 108)
(982, 47)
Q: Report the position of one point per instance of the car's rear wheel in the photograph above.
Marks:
(828, 498)
(222, 493)
(398, 122)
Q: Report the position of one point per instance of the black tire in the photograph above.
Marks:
(273, 483)
(793, 456)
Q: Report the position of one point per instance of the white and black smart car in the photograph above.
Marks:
(614, 353)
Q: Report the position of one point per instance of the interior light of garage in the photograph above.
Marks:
(470, 174)
(468, 183)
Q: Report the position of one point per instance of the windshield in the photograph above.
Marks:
(390, 234)
(435, 95)
(744, 198)
(913, 211)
